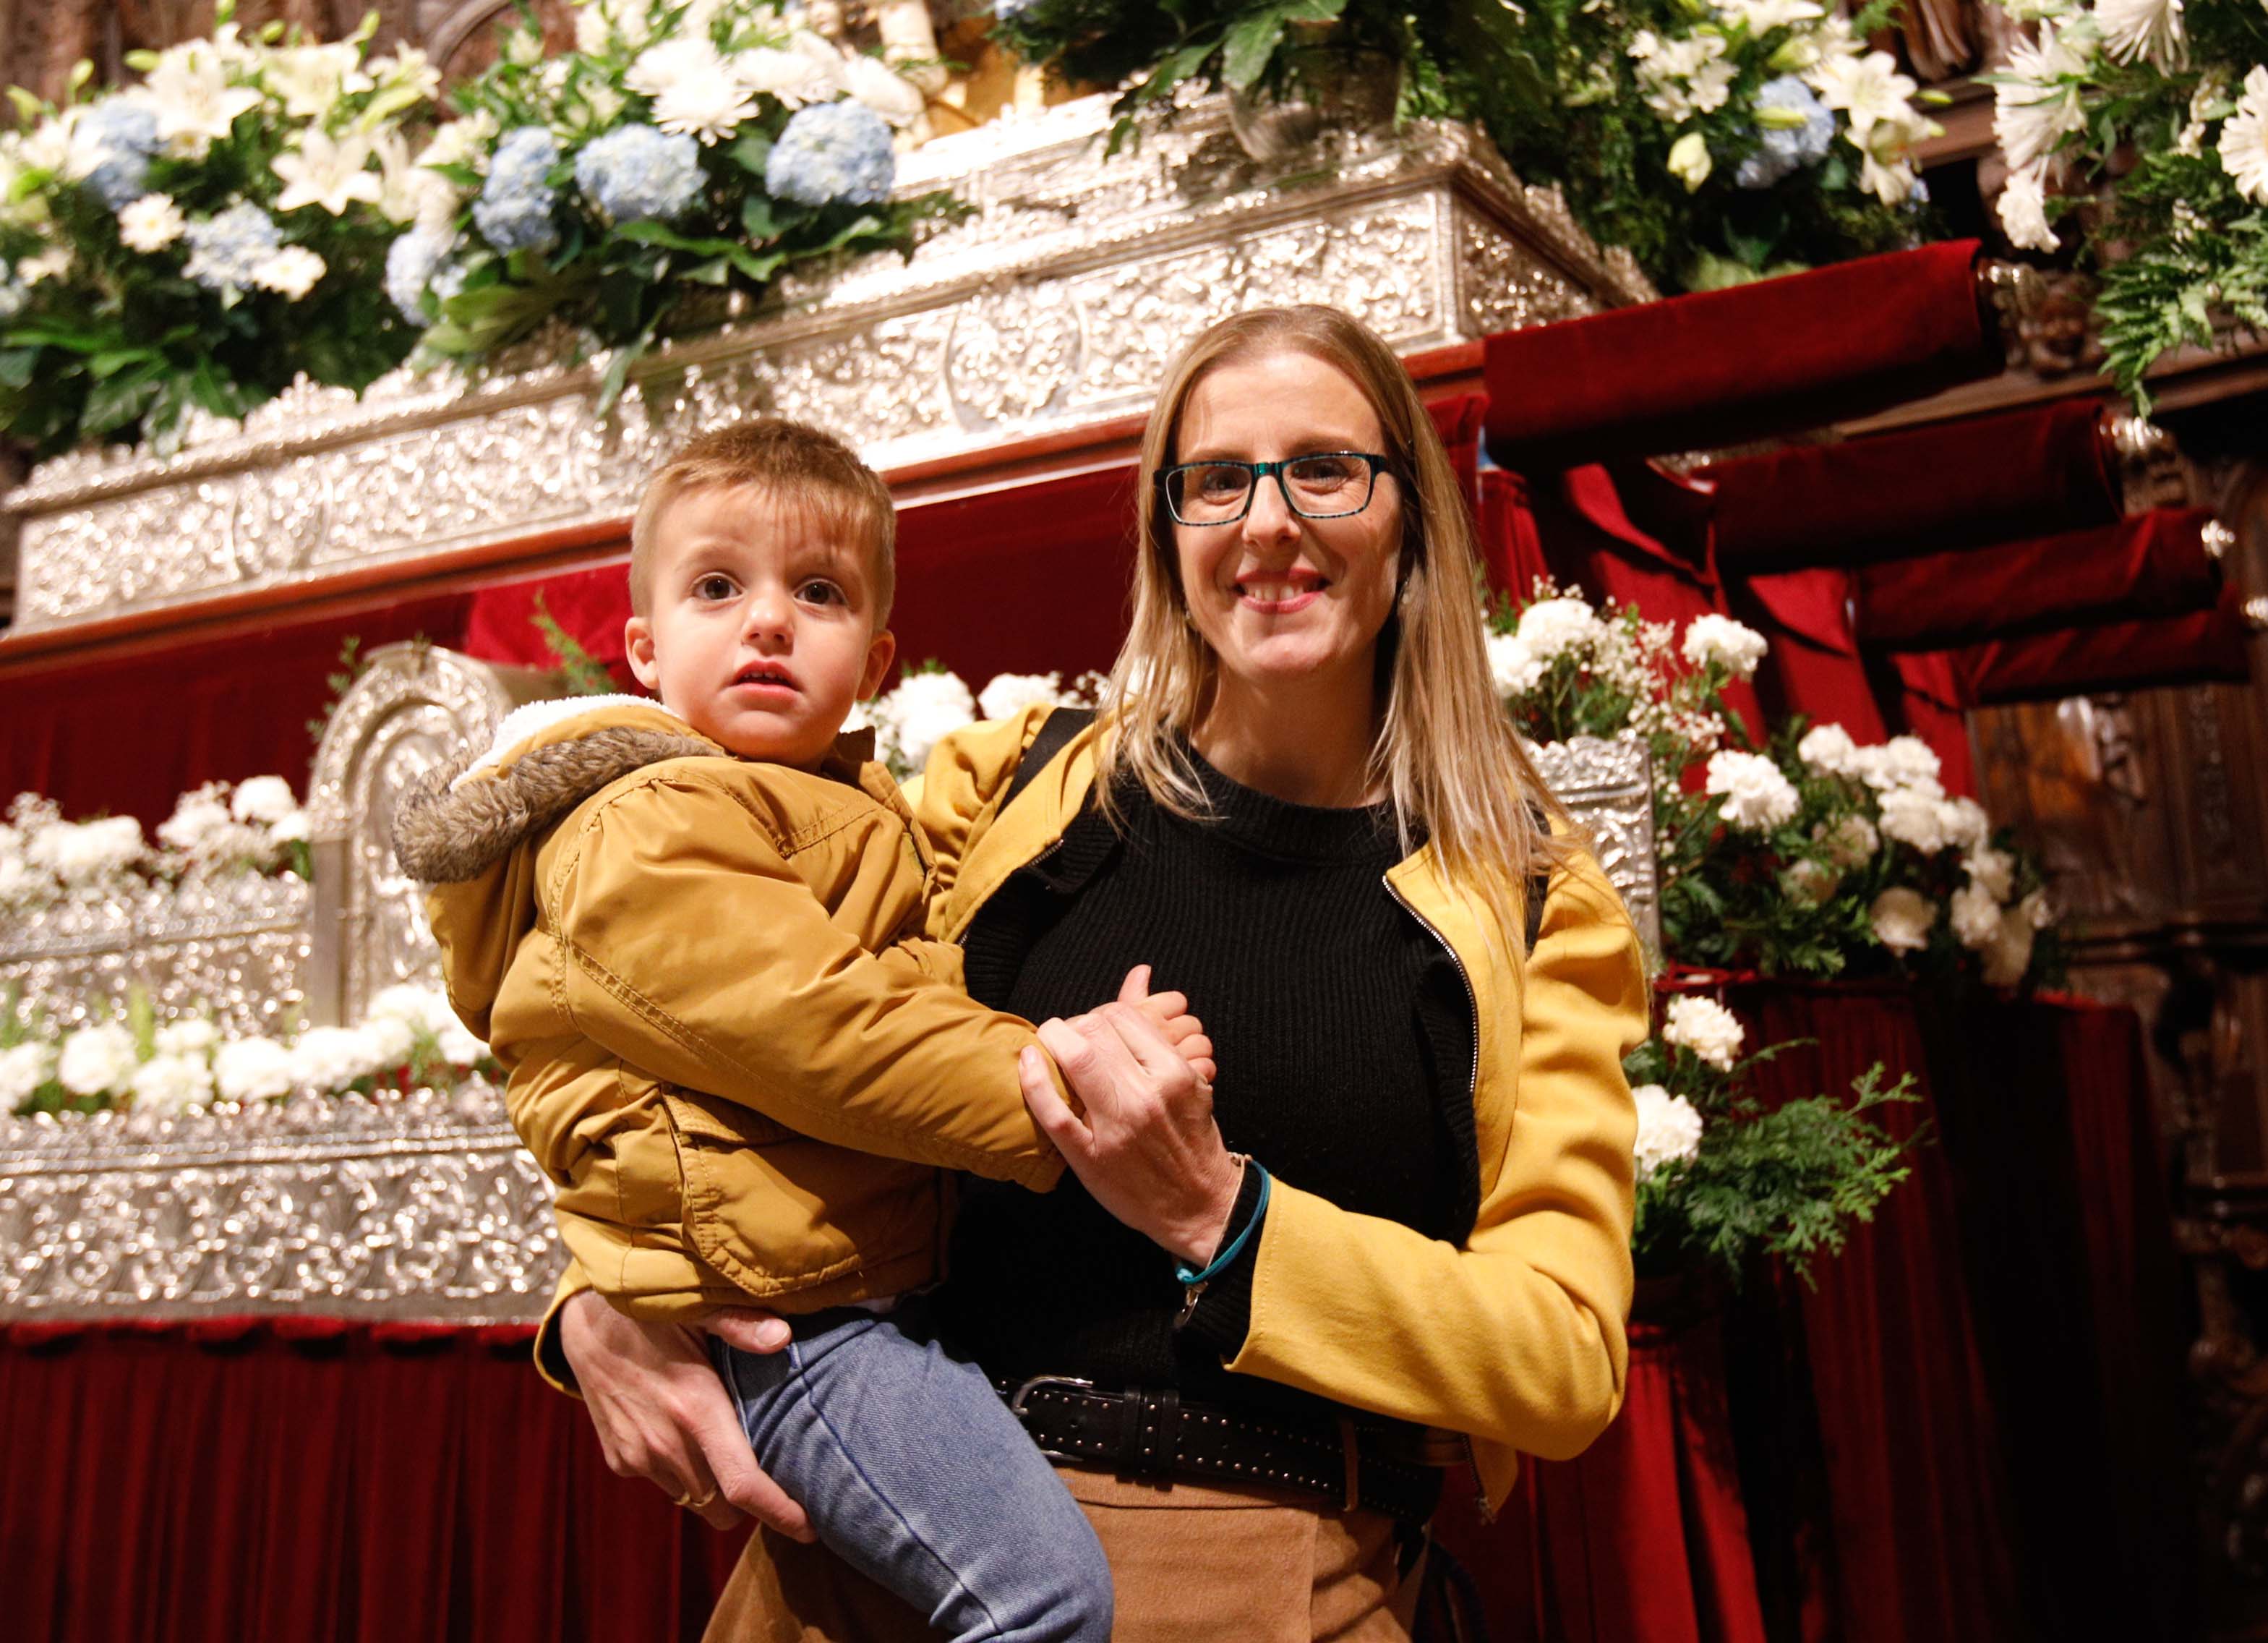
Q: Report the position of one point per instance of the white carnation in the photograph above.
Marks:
(23, 1069)
(1975, 916)
(191, 1036)
(1513, 668)
(1705, 1026)
(1828, 749)
(83, 852)
(1810, 882)
(2035, 910)
(196, 817)
(327, 1058)
(1732, 645)
(1964, 823)
(2023, 208)
(1757, 797)
(923, 709)
(423, 1009)
(1010, 694)
(98, 1060)
(1849, 842)
(20, 883)
(1911, 817)
(253, 1069)
(1995, 870)
(2010, 954)
(1901, 761)
(459, 1048)
(390, 1040)
(290, 271)
(1902, 919)
(267, 798)
(1669, 1129)
(294, 828)
(172, 1083)
(1552, 628)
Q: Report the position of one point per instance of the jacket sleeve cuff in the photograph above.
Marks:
(550, 1355)
(1223, 1314)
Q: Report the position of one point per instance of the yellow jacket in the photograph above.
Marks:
(727, 1041)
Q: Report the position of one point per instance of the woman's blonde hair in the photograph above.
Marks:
(1446, 752)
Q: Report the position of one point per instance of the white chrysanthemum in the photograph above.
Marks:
(2133, 29)
(290, 271)
(1975, 916)
(307, 80)
(1705, 1026)
(1735, 646)
(329, 1059)
(2038, 104)
(83, 852)
(1911, 817)
(150, 223)
(1757, 797)
(1828, 749)
(188, 89)
(2244, 138)
(1010, 694)
(1849, 842)
(884, 90)
(792, 76)
(1995, 869)
(172, 1084)
(696, 92)
(1902, 919)
(1553, 628)
(98, 1060)
(52, 263)
(2010, 954)
(191, 1036)
(1513, 668)
(23, 1068)
(2023, 207)
(196, 816)
(1669, 1129)
(924, 709)
(253, 1069)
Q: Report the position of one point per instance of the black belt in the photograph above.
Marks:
(1155, 1434)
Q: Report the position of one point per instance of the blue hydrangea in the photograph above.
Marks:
(635, 173)
(410, 263)
(515, 210)
(830, 152)
(120, 137)
(225, 248)
(1780, 152)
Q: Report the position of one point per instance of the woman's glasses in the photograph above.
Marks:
(1327, 485)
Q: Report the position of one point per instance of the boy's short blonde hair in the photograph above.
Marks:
(792, 462)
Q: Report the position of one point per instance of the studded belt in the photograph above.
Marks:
(1155, 1434)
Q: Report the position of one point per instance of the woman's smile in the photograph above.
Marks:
(1280, 593)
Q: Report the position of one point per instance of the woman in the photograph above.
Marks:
(1307, 810)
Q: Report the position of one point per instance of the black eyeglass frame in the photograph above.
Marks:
(1163, 477)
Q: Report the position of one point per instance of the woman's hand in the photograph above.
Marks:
(663, 1413)
(1148, 1148)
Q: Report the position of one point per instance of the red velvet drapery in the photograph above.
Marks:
(2213, 647)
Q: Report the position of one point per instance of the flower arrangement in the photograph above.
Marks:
(1810, 855)
(1722, 1181)
(408, 1039)
(930, 704)
(258, 826)
(683, 146)
(193, 242)
(1718, 140)
(2144, 125)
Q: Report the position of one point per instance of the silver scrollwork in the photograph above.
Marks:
(1607, 787)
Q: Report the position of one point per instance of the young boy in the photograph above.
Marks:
(690, 932)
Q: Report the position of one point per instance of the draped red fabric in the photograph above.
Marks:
(1813, 667)
(1720, 368)
(347, 1486)
(590, 605)
(1952, 485)
(1926, 702)
(2213, 647)
(2153, 565)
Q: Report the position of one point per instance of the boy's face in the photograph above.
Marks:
(760, 626)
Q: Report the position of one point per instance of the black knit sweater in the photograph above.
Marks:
(1344, 1035)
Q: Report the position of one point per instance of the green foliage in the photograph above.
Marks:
(579, 672)
(350, 666)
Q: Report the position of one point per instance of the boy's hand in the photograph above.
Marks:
(1170, 1011)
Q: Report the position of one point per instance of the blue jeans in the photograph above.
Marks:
(915, 1473)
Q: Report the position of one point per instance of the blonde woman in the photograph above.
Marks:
(1397, 1230)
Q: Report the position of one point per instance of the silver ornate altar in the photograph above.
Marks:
(1056, 304)
(1607, 787)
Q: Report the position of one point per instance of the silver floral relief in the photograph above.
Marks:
(1607, 788)
(418, 1207)
(1056, 304)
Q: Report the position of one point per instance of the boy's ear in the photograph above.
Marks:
(882, 651)
(637, 639)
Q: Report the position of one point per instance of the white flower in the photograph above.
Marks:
(923, 709)
(191, 1036)
(172, 1084)
(329, 1058)
(1810, 882)
(884, 90)
(19, 881)
(189, 91)
(196, 816)
(1902, 919)
(406, 66)
(308, 80)
(263, 798)
(1757, 797)
(1964, 823)
(1888, 181)
(1552, 628)
(2023, 208)
(1867, 89)
(2035, 910)
(295, 828)
(2038, 104)
(98, 1060)
(696, 92)
(1975, 916)
(792, 76)
(1010, 694)
(1705, 1026)
(1725, 643)
(2010, 954)
(458, 1046)
(589, 29)
(290, 271)
(1849, 842)
(333, 174)
(1763, 16)
(1828, 749)
(150, 223)
(390, 1041)
(423, 1009)
(23, 1069)
(1513, 668)
(1911, 817)
(52, 263)
(1995, 870)
(2144, 28)
(1688, 161)
(252, 1069)
(1901, 761)
(1669, 1129)
(82, 853)
(2244, 138)
(463, 141)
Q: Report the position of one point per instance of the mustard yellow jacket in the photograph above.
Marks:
(1516, 1338)
(728, 1043)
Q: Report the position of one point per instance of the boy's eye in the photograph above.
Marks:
(819, 591)
(713, 586)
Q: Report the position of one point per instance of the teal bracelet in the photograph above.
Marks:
(1190, 1279)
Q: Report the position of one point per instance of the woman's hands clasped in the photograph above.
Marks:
(1148, 1148)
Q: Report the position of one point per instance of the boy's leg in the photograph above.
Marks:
(915, 1474)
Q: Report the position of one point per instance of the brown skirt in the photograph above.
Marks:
(1192, 1564)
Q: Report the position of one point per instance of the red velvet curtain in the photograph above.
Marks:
(1725, 367)
(303, 1479)
(2214, 647)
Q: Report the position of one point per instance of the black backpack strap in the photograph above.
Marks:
(1539, 888)
(1056, 733)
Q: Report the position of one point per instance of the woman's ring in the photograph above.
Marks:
(702, 1505)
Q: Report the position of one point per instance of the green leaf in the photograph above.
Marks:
(116, 403)
(1248, 45)
(756, 218)
(16, 366)
(753, 151)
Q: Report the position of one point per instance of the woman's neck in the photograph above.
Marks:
(1307, 742)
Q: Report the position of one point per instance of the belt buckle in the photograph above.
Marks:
(1016, 1405)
